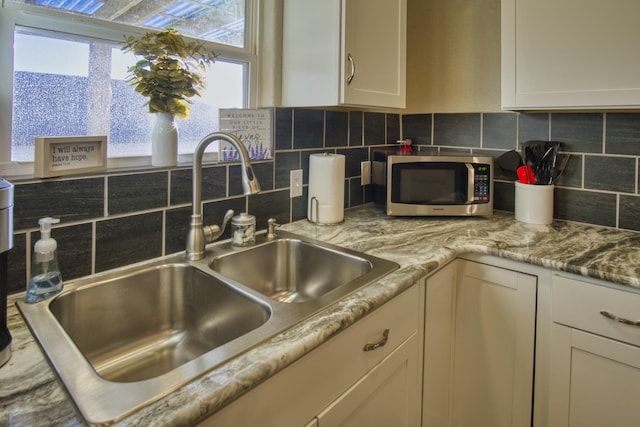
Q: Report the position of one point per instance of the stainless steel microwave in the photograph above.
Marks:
(410, 184)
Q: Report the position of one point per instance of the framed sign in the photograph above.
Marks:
(254, 127)
(67, 155)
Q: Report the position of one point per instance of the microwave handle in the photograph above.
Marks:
(471, 182)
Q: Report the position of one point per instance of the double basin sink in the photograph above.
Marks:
(122, 339)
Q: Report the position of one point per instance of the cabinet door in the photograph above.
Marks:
(374, 52)
(595, 381)
(438, 347)
(344, 52)
(494, 346)
(388, 395)
(570, 53)
(311, 32)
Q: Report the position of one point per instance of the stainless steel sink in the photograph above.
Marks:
(122, 339)
(149, 322)
(291, 270)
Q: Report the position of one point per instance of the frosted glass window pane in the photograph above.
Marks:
(77, 87)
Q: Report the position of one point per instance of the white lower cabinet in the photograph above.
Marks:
(595, 357)
(471, 348)
(480, 325)
(342, 382)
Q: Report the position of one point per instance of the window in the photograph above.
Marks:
(68, 77)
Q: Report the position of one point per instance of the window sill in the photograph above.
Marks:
(20, 172)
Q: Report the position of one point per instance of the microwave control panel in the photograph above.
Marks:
(482, 183)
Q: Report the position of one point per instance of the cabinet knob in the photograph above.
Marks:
(381, 343)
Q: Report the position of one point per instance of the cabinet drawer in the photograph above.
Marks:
(399, 317)
(582, 305)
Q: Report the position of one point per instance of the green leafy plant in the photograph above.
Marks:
(170, 70)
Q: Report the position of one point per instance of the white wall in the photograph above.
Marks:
(453, 56)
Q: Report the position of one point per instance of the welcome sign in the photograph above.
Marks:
(253, 127)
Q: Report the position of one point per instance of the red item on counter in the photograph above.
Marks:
(405, 145)
(526, 175)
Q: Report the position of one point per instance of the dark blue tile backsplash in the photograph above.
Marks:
(580, 132)
(499, 130)
(418, 127)
(458, 130)
(623, 133)
(336, 129)
(533, 126)
(119, 218)
(600, 184)
(131, 193)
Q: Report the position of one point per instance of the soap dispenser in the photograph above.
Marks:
(46, 279)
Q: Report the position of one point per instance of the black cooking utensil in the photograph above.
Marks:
(530, 157)
(542, 156)
(509, 163)
(561, 164)
(535, 150)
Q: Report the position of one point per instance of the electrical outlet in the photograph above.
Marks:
(295, 183)
(365, 173)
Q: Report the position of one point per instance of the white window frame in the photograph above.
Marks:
(12, 15)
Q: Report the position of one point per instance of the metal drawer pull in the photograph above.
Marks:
(381, 343)
(612, 316)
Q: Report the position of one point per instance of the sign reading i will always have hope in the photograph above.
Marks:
(66, 155)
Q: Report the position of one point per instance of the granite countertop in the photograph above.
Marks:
(31, 395)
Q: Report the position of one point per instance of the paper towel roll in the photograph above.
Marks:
(326, 188)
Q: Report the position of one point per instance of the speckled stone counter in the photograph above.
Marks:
(30, 394)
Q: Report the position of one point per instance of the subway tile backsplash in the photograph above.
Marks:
(127, 239)
(70, 200)
(579, 132)
(623, 133)
(457, 130)
(600, 184)
(119, 218)
(499, 130)
(132, 193)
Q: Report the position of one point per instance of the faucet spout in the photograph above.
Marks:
(196, 239)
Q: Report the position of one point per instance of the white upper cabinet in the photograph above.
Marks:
(344, 52)
(563, 54)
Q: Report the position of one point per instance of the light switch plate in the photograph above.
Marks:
(365, 173)
(295, 183)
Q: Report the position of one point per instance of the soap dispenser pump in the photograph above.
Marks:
(46, 279)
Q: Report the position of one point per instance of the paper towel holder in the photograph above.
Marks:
(316, 211)
(330, 193)
(314, 199)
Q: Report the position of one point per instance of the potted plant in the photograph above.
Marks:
(170, 71)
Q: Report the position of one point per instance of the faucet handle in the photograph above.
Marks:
(227, 216)
(271, 228)
(212, 232)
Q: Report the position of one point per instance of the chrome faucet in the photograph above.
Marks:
(199, 235)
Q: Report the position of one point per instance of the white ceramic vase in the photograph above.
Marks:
(164, 141)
